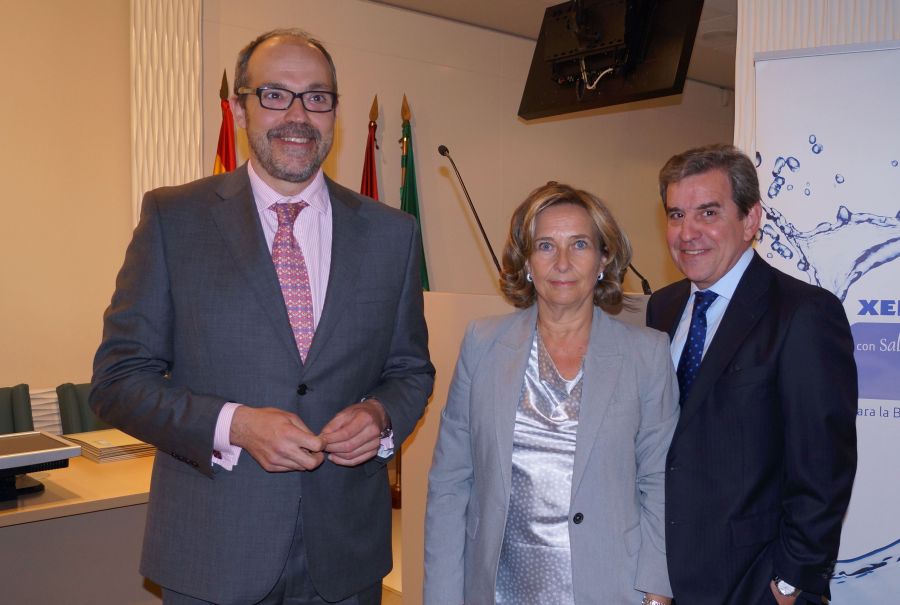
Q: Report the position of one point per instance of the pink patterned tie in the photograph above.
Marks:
(292, 274)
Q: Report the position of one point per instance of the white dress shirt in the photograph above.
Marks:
(725, 288)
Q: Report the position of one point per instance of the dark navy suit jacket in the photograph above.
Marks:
(759, 473)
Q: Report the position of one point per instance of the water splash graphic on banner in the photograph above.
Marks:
(874, 574)
(834, 255)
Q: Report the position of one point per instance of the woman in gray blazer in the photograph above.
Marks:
(548, 474)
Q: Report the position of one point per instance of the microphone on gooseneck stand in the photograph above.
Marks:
(645, 285)
(442, 149)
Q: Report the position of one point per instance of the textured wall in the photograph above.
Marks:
(165, 94)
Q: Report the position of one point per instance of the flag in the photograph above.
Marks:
(409, 196)
(225, 158)
(369, 184)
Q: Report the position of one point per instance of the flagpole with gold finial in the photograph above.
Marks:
(409, 195)
(369, 185)
(226, 160)
(404, 140)
(373, 112)
(223, 91)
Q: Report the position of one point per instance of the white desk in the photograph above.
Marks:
(79, 541)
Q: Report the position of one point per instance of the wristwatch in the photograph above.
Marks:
(784, 588)
(648, 600)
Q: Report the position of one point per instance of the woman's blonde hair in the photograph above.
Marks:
(613, 244)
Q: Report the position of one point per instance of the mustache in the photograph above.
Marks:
(305, 131)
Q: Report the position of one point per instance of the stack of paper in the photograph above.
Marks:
(110, 445)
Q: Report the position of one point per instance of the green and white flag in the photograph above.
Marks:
(409, 195)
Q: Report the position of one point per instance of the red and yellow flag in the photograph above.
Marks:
(225, 156)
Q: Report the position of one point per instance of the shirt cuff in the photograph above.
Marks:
(224, 453)
(386, 447)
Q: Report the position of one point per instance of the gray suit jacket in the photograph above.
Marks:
(628, 414)
(198, 319)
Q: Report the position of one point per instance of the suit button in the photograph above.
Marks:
(301, 390)
(578, 518)
(673, 468)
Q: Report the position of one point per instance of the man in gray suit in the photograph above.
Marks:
(274, 391)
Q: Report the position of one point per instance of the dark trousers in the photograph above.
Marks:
(293, 587)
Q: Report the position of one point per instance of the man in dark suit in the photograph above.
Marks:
(267, 335)
(762, 462)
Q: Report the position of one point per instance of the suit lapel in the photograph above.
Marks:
(602, 366)
(749, 304)
(670, 311)
(238, 221)
(513, 349)
(349, 230)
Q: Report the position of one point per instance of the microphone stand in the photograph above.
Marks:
(645, 285)
(442, 149)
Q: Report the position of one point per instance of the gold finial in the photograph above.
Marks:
(223, 92)
(373, 112)
(404, 110)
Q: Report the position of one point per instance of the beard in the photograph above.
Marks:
(293, 168)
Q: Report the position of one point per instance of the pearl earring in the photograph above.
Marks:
(528, 278)
(600, 277)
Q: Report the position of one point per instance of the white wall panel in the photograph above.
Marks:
(165, 95)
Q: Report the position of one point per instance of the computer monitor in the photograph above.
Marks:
(31, 452)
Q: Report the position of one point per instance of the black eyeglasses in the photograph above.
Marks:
(281, 99)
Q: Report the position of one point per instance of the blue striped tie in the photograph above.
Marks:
(692, 353)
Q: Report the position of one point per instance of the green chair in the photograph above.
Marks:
(15, 410)
(74, 413)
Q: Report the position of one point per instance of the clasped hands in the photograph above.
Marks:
(279, 441)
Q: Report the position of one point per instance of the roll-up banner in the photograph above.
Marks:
(828, 156)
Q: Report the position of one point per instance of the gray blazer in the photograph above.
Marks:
(198, 319)
(628, 414)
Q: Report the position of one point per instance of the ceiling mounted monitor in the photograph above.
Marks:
(597, 53)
